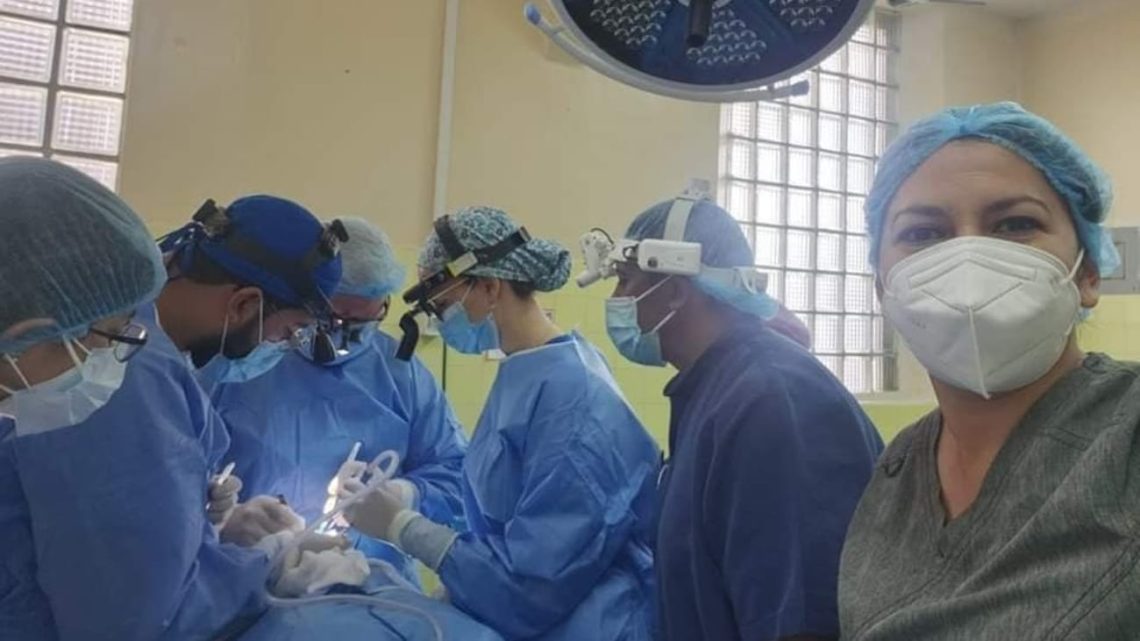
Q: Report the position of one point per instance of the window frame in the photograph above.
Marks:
(766, 191)
(49, 147)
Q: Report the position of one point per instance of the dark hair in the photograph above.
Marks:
(521, 289)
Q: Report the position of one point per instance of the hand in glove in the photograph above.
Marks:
(222, 499)
(375, 514)
(258, 518)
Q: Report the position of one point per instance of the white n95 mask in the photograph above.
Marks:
(982, 314)
(71, 397)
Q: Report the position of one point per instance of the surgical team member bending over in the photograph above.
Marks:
(558, 481)
(1010, 512)
(769, 452)
(243, 282)
(107, 441)
(293, 427)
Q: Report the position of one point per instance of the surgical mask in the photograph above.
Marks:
(221, 369)
(625, 332)
(464, 336)
(71, 397)
(982, 314)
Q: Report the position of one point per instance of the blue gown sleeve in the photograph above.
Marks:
(573, 516)
(123, 547)
(435, 451)
(784, 472)
(24, 611)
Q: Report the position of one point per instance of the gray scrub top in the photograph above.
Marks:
(1050, 549)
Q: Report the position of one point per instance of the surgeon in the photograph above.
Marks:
(294, 427)
(1010, 511)
(769, 452)
(106, 439)
(244, 282)
(558, 482)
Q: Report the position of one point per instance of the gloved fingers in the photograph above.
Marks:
(246, 526)
(404, 489)
(348, 488)
(217, 516)
(373, 512)
(226, 490)
(313, 542)
(276, 516)
(351, 470)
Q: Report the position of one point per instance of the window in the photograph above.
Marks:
(63, 79)
(795, 173)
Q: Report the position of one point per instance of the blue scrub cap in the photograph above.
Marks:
(370, 266)
(542, 263)
(70, 251)
(723, 244)
(284, 230)
(1072, 174)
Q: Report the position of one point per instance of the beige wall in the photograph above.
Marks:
(1081, 73)
(957, 55)
(331, 103)
(336, 104)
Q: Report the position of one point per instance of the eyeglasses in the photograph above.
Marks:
(127, 342)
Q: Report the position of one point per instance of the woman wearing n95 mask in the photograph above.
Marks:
(1009, 511)
(558, 480)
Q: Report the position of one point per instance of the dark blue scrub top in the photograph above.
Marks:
(769, 456)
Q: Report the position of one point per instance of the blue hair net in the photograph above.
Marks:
(1072, 174)
(723, 244)
(542, 263)
(71, 252)
(286, 230)
(370, 266)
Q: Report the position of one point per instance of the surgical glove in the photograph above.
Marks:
(222, 499)
(404, 489)
(258, 518)
(318, 562)
(375, 514)
(349, 479)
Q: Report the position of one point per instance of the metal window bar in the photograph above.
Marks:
(860, 110)
(54, 86)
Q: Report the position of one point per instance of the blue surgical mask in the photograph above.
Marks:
(221, 369)
(67, 399)
(464, 336)
(625, 332)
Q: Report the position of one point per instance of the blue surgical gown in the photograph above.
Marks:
(102, 524)
(559, 488)
(293, 427)
(769, 456)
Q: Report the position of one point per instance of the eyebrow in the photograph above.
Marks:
(921, 210)
(1009, 203)
(933, 211)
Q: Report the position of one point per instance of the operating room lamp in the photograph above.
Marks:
(703, 50)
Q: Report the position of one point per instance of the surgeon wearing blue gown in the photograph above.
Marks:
(107, 442)
(293, 427)
(769, 453)
(558, 481)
